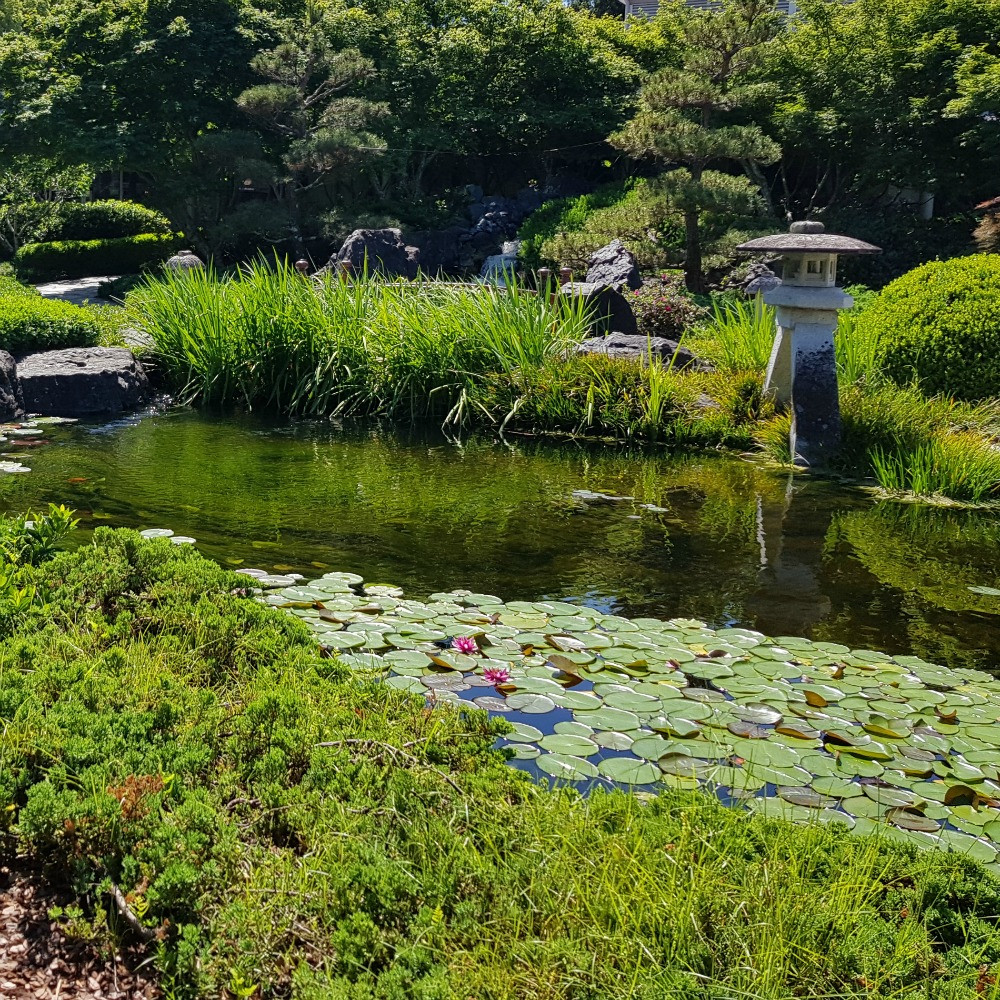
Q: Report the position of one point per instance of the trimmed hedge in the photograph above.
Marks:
(106, 220)
(80, 258)
(940, 325)
(30, 323)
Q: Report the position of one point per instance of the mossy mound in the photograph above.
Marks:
(940, 325)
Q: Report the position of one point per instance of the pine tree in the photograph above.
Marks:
(308, 105)
(683, 110)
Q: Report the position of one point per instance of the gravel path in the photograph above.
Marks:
(39, 962)
(75, 290)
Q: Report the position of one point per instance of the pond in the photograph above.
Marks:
(633, 533)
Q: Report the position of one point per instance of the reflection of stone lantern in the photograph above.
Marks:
(802, 372)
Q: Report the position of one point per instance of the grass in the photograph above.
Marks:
(264, 338)
(505, 359)
(280, 827)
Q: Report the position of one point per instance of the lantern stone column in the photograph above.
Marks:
(802, 373)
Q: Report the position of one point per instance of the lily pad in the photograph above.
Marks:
(629, 771)
(566, 767)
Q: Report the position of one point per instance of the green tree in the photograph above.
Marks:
(320, 126)
(882, 94)
(685, 116)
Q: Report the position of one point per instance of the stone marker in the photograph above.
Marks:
(802, 372)
(609, 309)
(82, 381)
(614, 265)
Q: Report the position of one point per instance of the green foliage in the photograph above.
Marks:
(32, 190)
(888, 94)
(740, 335)
(105, 220)
(641, 217)
(30, 323)
(286, 825)
(32, 538)
(267, 338)
(678, 121)
(940, 325)
(663, 308)
(929, 447)
(80, 258)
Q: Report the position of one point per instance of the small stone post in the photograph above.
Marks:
(802, 372)
(302, 266)
(565, 275)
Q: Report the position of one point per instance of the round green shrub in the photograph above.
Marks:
(940, 325)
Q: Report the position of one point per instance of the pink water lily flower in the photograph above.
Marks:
(496, 675)
(465, 644)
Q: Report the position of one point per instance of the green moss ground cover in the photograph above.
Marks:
(283, 826)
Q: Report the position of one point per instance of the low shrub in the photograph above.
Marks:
(105, 220)
(940, 326)
(29, 322)
(663, 307)
(80, 258)
(277, 826)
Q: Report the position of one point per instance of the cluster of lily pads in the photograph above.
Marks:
(16, 437)
(169, 534)
(807, 731)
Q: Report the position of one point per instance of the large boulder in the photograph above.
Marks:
(440, 251)
(82, 382)
(614, 265)
(609, 309)
(11, 403)
(382, 251)
(637, 347)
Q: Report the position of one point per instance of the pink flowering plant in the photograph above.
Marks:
(496, 675)
(465, 644)
(663, 307)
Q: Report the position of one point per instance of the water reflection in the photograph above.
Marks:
(715, 538)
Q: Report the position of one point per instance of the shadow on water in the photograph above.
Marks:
(641, 534)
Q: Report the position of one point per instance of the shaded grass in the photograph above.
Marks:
(291, 829)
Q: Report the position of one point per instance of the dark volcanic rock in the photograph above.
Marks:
(620, 345)
(441, 251)
(610, 310)
(382, 249)
(11, 403)
(614, 265)
(82, 381)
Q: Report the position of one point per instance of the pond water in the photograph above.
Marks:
(633, 533)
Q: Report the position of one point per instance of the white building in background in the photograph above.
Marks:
(650, 7)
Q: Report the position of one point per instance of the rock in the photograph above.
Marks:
(614, 265)
(82, 381)
(441, 251)
(11, 403)
(183, 260)
(611, 312)
(383, 250)
(760, 278)
(620, 345)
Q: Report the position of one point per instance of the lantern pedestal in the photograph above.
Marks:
(802, 373)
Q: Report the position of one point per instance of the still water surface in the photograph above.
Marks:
(716, 538)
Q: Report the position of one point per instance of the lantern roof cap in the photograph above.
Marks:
(808, 237)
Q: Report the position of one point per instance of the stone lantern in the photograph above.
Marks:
(802, 372)
(184, 260)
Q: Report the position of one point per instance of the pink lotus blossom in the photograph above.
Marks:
(496, 675)
(464, 644)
